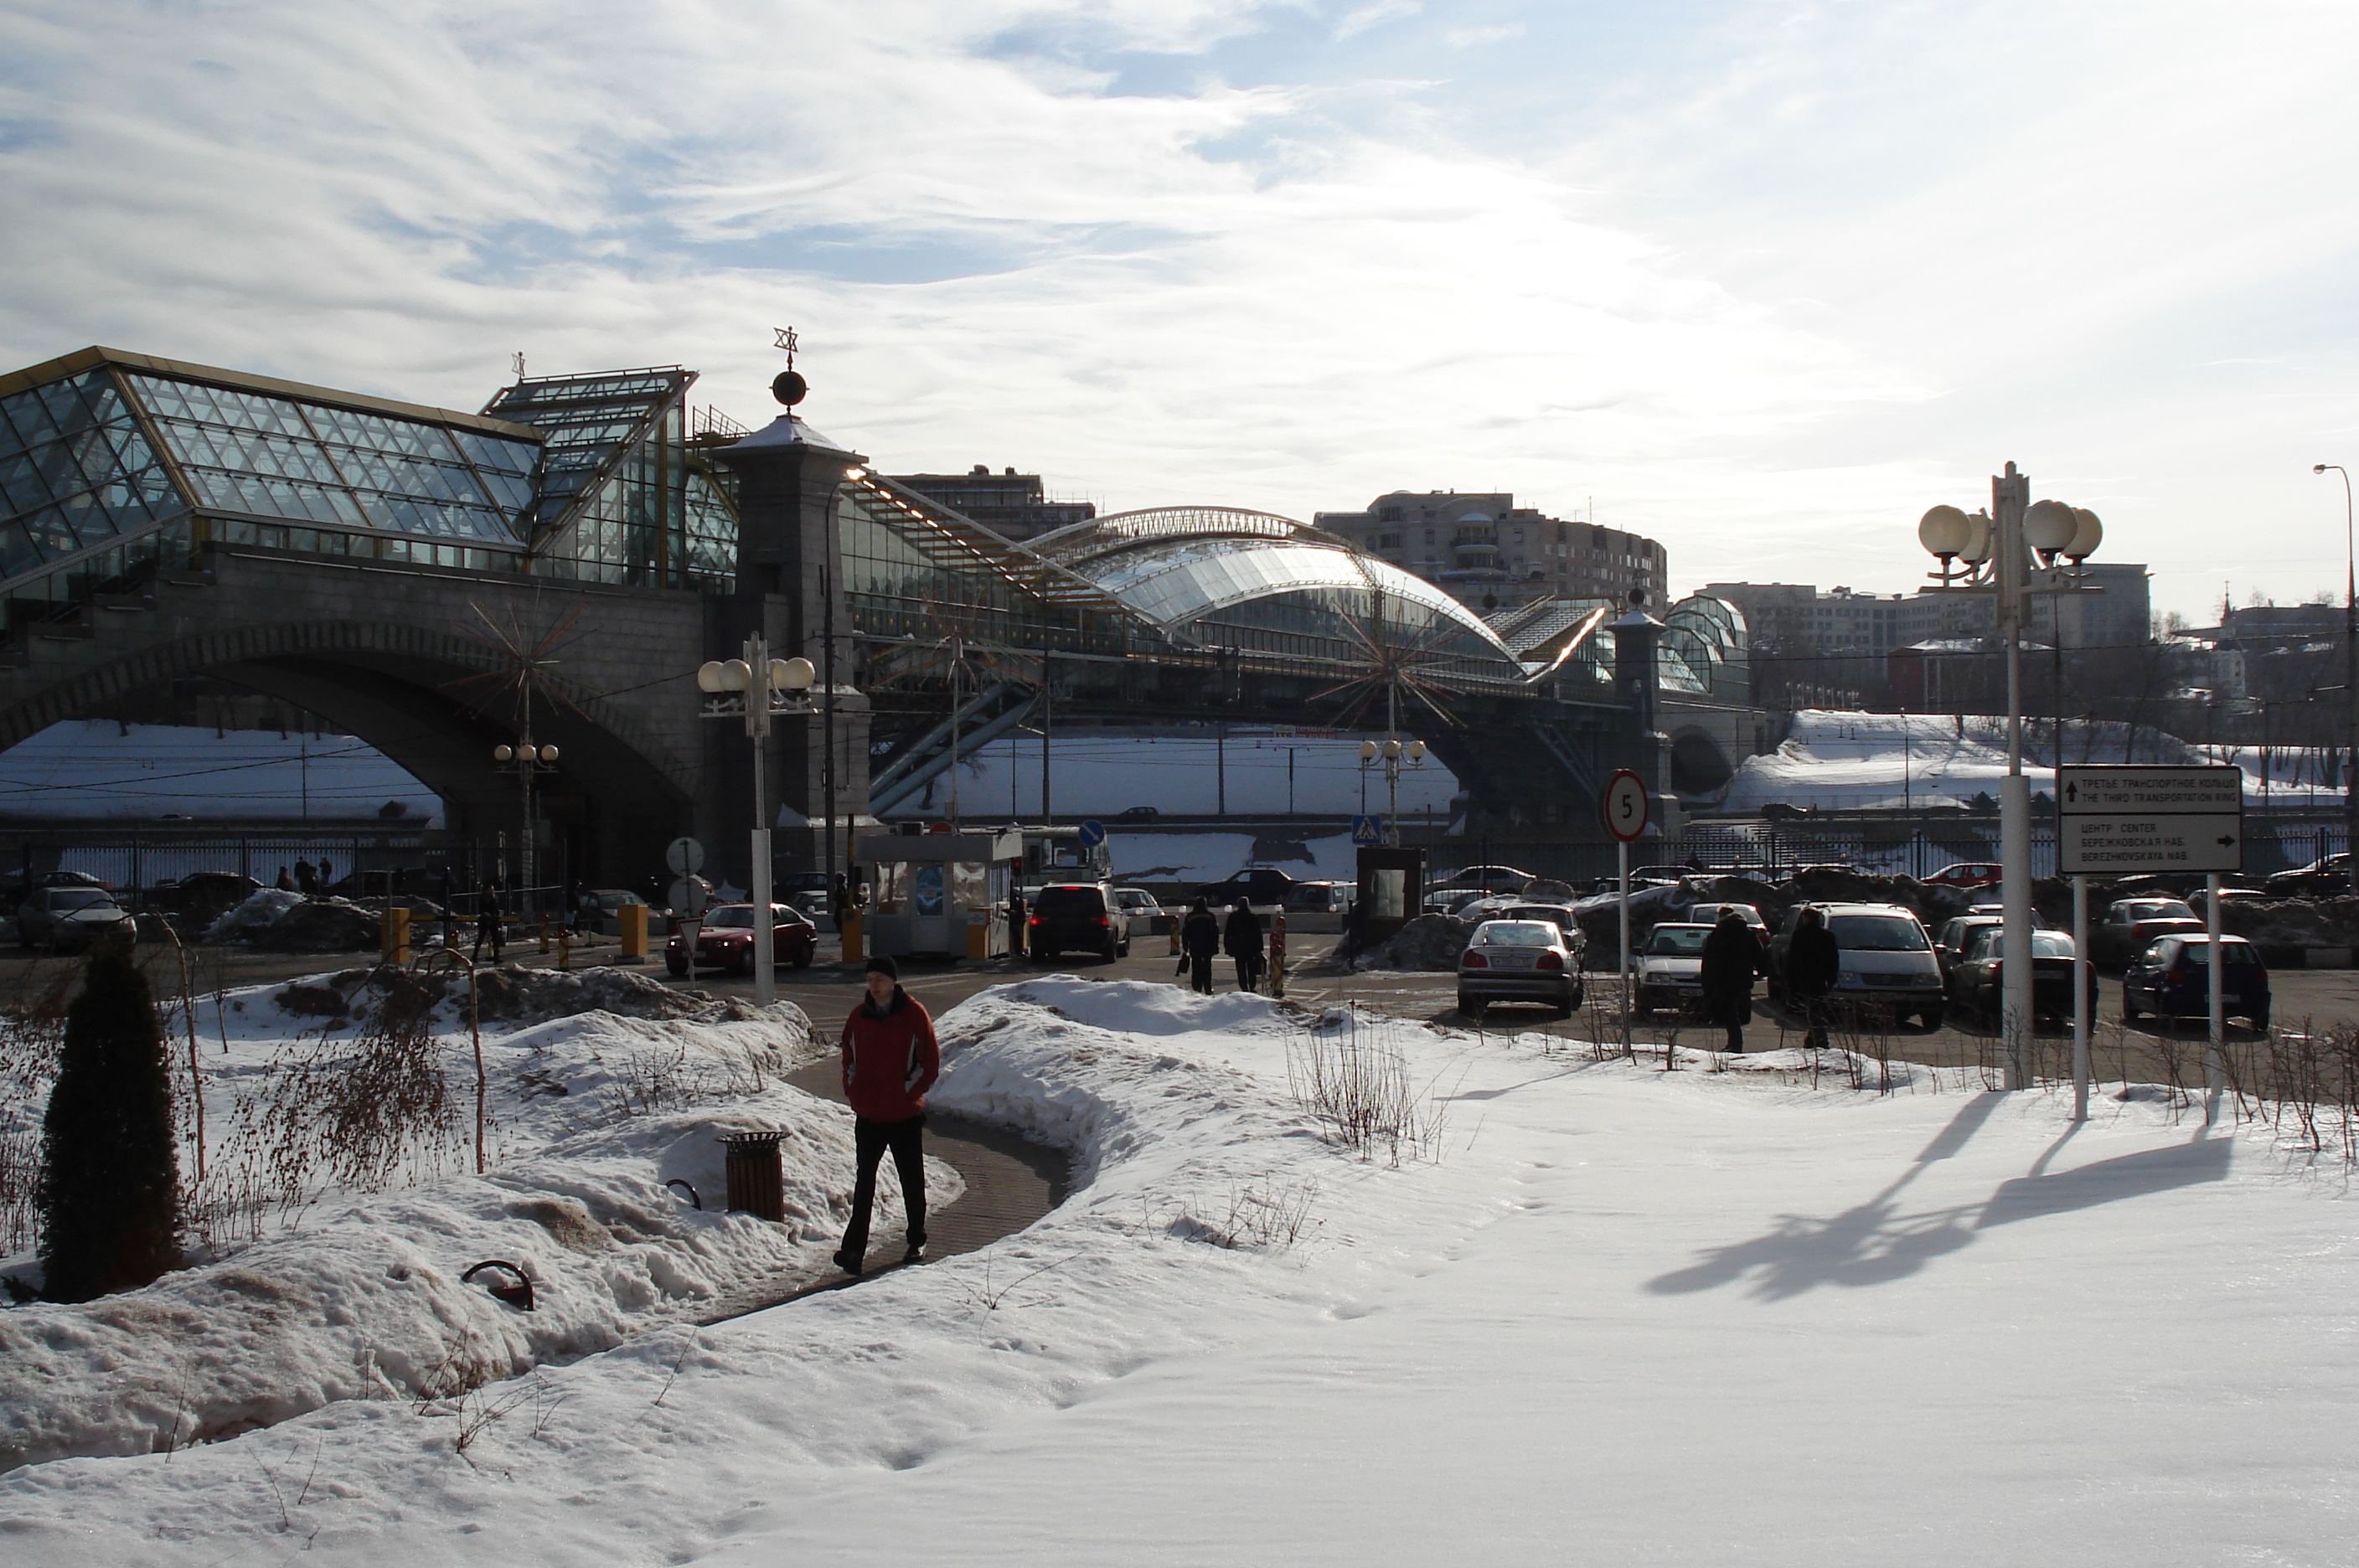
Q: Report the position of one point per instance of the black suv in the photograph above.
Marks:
(1071, 916)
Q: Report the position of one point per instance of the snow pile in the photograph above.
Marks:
(1676, 1316)
(254, 916)
(1429, 943)
(359, 1297)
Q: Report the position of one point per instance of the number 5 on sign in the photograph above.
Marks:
(1625, 805)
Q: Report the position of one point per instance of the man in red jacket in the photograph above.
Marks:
(890, 1060)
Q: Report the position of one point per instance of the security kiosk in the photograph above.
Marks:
(940, 892)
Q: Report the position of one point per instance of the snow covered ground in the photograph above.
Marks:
(1602, 1314)
(317, 1287)
(1840, 760)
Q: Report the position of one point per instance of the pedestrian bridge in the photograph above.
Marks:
(559, 563)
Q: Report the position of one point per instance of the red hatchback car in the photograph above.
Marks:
(1966, 876)
(725, 940)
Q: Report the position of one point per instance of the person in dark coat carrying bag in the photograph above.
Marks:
(1243, 942)
(1199, 943)
(890, 1060)
(1813, 963)
(1732, 958)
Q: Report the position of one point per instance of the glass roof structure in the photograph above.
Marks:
(1214, 576)
(114, 466)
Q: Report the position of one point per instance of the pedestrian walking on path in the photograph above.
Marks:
(1200, 943)
(1732, 958)
(1016, 913)
(1244, 941)
(1813, 961)
(489, 926)
(890, 1060)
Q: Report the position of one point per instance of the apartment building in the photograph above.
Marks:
(1489, 552)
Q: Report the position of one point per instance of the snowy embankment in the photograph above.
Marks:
(1606, 1314)
(1836, 759)
(351, 1294)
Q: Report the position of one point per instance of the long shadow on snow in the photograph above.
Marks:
(1874, 1242)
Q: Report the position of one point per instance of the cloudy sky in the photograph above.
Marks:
(1762, 280)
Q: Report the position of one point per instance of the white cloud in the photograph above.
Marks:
(1767, 293)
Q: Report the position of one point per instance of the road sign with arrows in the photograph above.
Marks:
(2123, 821)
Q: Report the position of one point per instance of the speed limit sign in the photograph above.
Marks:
(1625, 805)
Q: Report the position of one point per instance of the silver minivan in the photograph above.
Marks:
(1884, 957)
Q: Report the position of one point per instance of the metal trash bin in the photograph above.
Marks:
(758, 1177)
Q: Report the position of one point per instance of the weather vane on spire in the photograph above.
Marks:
(789, 386)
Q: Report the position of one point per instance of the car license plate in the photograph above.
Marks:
(1513, 961)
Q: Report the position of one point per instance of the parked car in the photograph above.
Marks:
(1750, 913)
(1558, 914)
(1075, 917)
(1966, 875)
(1262, 884)
(1662, 875)
(1517, 960)
(1957, 934)
(2130, 926)
(1137, 910)
(2173, 979)
(601, 907)
(2199, 900)
(1977, 981)
(1453, 901)
(1322, 898)
(1671, 969)
(2321, 879)
(1139, 814)
(1497, 878)
(725, 941)
(69, 919)
(1886, 958)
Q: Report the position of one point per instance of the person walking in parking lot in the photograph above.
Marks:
(1813, 960)
(1016, 923)
(890, 1060)
(1243, 939)
(489, 926)
(1200, 943)
(1731, 957)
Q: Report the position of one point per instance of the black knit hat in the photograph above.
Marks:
(880, 965)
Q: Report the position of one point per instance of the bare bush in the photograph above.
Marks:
(1262, 1215)
(1354, 1081)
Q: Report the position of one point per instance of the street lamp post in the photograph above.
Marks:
(1998, 548)
(1393, 751)
(2350, 675)
(756, 688)
(525, 760)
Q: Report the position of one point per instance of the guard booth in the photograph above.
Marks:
(939, 893)
(1392, 890)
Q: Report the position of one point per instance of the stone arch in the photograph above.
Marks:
(401, 688)
(1699, 765)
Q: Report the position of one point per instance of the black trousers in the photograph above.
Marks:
(1200, 972)
(869, 1142)
(488, 930)
(1814, 1010)
(1249, 970)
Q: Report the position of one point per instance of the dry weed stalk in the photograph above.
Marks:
(1356, 1083)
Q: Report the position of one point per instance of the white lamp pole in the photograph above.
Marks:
(1997, 549)
(755, 687)
(2351, 672)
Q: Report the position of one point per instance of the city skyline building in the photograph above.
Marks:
(1486, 552)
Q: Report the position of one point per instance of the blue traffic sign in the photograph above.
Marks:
(1093, 834)
(1367, 830)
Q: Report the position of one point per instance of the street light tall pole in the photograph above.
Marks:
(757, 726)
(2350, 675)
(2010, 495)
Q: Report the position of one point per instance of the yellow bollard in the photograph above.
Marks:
(635, 933)
(1278, 953)
(543, 934)
(396, 935)
(852, 935)
(564, 949)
